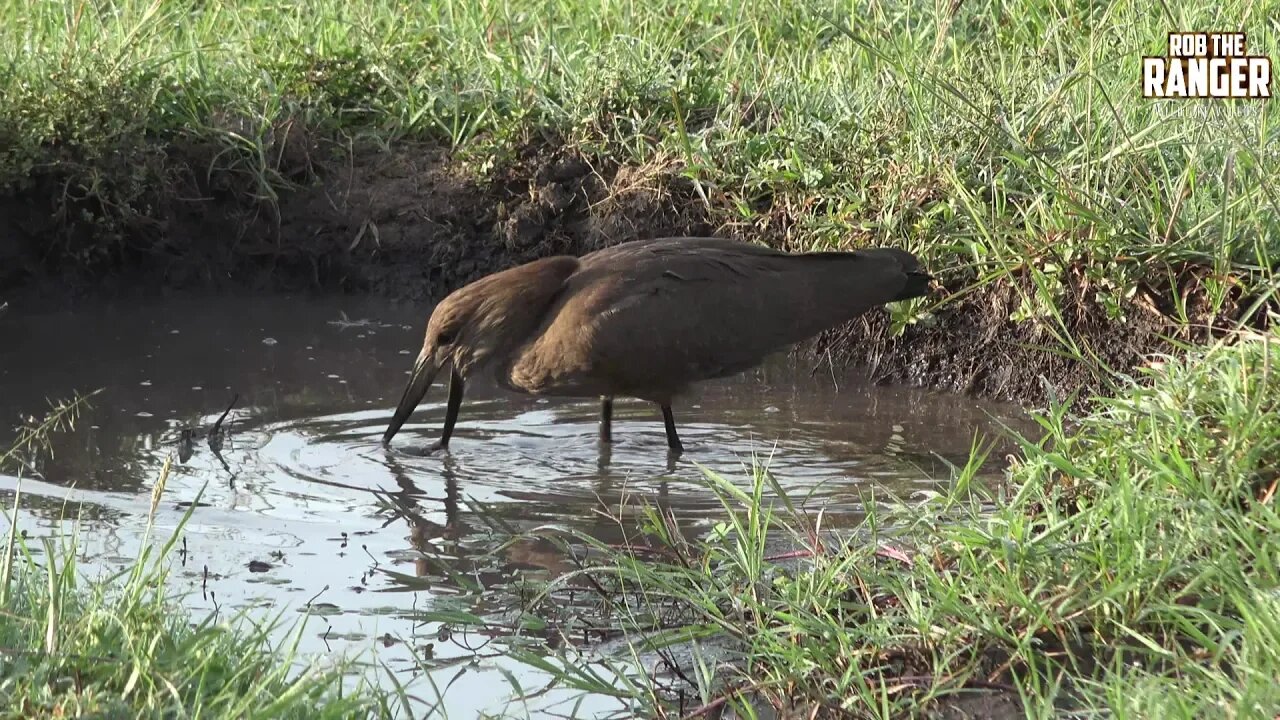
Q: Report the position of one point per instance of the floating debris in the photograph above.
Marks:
(322, 608)
(216, 434)
(346, 322)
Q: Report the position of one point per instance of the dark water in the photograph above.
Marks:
(293, 485)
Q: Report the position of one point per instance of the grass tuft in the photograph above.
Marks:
(1126, 567)
(122, 646)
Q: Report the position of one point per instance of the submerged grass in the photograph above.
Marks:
(1003, 140)
(122, 646)
(1127, 568)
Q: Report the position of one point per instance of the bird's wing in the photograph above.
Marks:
(641, 251)
(657, 315)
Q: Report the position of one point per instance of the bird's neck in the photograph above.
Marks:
(521, 298)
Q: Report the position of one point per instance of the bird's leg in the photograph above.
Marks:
(456, 387)
(673, 440)
(606, 419)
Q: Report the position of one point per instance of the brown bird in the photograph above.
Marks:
(645, 319)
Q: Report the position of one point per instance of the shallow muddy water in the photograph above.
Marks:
(288, 517)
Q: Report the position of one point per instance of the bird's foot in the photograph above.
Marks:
(435, 447)
(673, 455)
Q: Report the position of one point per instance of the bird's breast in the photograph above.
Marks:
(557, 363)
(534, 379)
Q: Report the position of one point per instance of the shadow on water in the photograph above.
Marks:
(301, 504)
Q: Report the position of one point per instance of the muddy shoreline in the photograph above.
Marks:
(414, 222)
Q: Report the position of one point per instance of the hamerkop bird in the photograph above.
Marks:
(645, 319)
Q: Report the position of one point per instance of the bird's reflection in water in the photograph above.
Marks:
(518, 552)
(605, 458)
(489, 543)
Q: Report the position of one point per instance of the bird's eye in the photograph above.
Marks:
(445, 337)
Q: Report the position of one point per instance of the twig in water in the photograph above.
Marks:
(215, 432)
(323, 590)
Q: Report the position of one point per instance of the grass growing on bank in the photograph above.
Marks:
(1128, 567)
(122, 646)
(1003, 140)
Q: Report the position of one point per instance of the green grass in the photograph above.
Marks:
(122, 645)
(1127, 568)
(1003, 140)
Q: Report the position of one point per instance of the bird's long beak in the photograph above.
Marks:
(424, 373)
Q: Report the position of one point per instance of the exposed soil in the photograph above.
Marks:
(971, 346)
(414, 224)
(408, 224)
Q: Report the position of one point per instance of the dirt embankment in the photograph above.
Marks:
(414, 224)
(409, 224)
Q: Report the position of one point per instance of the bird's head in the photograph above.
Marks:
(482, 324)
(462, 331)
(917, 279)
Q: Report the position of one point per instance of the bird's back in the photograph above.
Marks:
(647, 318)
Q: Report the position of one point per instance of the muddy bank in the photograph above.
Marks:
(414, 223)
(411, 224)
